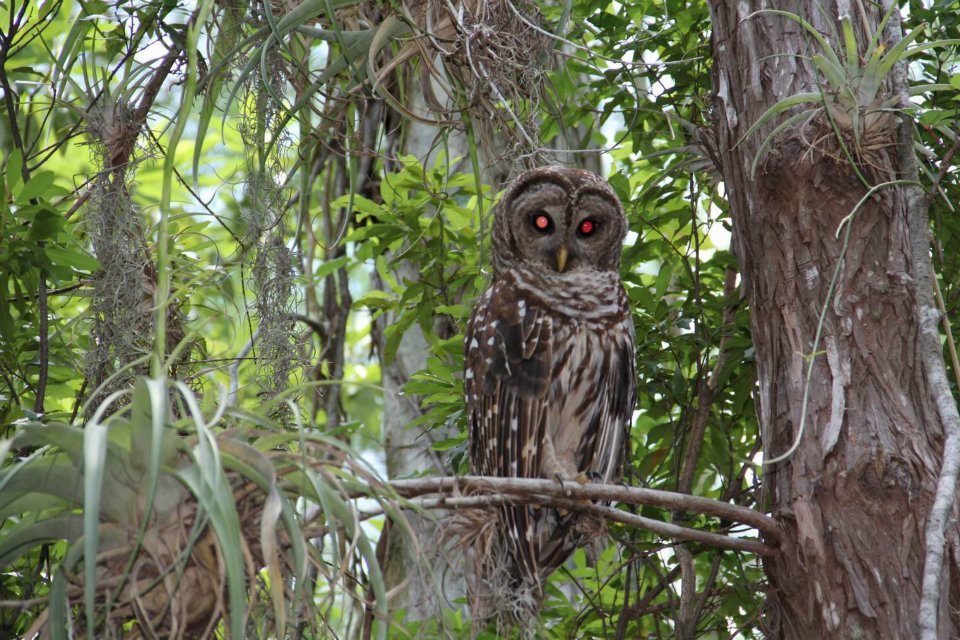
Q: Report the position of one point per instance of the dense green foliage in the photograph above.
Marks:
(244, 165)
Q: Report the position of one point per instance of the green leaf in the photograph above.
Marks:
(46, 224)
(330, 266)
(14, 170)
(76, 259)
(850, 43)
(376, 300)
(41, 187)
(394, 334)
(663, 281)
(449, 443)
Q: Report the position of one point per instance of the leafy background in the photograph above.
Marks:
(259, 170)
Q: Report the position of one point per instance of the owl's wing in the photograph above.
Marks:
(508, 372)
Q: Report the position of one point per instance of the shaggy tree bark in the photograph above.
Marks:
(855, 497)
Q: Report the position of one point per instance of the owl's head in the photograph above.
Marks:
(560, 220)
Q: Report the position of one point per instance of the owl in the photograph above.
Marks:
(550, 356)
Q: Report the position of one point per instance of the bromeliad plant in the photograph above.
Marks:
(178, 528)
(850, 100)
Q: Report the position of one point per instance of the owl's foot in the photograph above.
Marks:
(562, 512)
(582, 478)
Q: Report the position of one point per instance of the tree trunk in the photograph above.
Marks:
(855, 496)
(419, 570)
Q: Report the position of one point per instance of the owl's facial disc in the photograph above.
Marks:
(559, 221)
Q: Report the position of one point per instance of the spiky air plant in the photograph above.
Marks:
(851, 107)
(179, 529)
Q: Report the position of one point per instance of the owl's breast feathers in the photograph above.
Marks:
(550, 391)
(533, 331)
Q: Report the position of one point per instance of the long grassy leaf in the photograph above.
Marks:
(358, 44)
(875, 38)
(834, 76)
(792, 120)
(211, 90)
(54, 475)
(58, 606)
(29, 535)
(94, 469)
(336, 508)
(217, 503)
(898, 50)
(809, 28)
(778, 108)
(850, 44)
(207, 481)
(889, 61)
(254, 465)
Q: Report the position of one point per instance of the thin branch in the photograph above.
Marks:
(642, 607)
(945, 165)
(522, 487)
(44, 344)
(945, 319)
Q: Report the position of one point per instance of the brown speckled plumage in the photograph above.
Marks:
(550, 354)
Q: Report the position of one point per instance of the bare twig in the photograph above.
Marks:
(44, 327)
(642, 607)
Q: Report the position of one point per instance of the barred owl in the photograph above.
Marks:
(550, 356)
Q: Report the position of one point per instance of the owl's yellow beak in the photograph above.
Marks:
(562, 254)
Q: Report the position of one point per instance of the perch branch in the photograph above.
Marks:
(571, 496)
(665, 529)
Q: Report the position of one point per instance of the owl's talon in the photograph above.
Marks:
(563, 489)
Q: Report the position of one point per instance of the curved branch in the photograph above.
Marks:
(571, 495)
(665, 529)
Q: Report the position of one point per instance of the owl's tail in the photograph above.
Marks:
(509, 557)
(500, 589)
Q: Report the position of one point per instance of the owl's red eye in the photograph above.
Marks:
(541, 222)
(587, 227)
